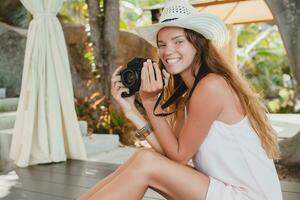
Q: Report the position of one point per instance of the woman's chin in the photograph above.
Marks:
(173, 72)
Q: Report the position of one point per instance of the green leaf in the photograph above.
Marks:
(123, 25)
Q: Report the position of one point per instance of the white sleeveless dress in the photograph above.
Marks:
(238, 167)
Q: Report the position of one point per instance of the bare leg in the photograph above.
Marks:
(110, 177)
(151, 169)
(107, 179)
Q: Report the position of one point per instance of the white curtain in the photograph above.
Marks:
(46, 128)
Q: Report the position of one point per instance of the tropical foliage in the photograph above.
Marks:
(263, 61)
(74, 11)
(132, 12)
(262, 58)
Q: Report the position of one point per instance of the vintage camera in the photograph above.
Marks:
(131, 76)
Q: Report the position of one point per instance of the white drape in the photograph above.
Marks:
(46, 128)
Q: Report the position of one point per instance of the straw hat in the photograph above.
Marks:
(180, 13)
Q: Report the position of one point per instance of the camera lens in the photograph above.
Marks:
(128, 78)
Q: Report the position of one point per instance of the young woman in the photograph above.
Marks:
(219, 122)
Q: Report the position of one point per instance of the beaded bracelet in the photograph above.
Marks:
(144, 132)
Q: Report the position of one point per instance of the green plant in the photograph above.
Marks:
(116, 123)
(263, 61)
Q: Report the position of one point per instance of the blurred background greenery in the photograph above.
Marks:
(261, 56)
(263, 61)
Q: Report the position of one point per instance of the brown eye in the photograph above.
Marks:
(161, 45)
(179, 41)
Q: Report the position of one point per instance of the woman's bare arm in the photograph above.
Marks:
(205, 106)
(139, 122)
(180, 119)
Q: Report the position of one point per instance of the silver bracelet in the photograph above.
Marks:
(144, 132)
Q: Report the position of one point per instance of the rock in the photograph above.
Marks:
(85, 84)
(86, 87)
(74, 34)
(131, 45)
(12, 51)
(290, 150)
(13, 12)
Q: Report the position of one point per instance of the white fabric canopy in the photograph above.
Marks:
(236, 11)
(46, 128)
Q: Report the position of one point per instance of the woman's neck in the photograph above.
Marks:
(188, 78)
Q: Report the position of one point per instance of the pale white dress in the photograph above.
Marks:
(238, 167)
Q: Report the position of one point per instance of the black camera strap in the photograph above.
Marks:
(179, 92)
(182, 88)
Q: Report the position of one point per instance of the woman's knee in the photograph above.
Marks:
(145, 159)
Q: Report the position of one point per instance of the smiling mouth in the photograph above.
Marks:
(172, 60)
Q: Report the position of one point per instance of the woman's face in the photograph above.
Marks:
(174, 50)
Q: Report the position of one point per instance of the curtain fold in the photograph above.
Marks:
(46, 128)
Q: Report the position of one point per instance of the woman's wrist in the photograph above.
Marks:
(149, 104)
(136, 118)
(147, 99)
(129, 109)
(130, 112)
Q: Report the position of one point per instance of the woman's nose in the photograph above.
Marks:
(169, 50)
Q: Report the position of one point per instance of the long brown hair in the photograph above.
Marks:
(208, 57)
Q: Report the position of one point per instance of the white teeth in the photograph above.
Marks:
(172, 60)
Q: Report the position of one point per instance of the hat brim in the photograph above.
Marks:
(210, 26)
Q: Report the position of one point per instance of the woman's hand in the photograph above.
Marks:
(151, 86)
(126, 103)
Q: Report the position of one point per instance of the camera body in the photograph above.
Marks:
(131, 76)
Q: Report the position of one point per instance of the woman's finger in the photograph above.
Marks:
(115, 87)
(119, 85)
(115, 79)
(145, 76)
(121, 90)
(116, 71)
(158, 75)
(151, 73)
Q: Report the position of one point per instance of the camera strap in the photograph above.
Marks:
(182, 88)
(179, 92)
